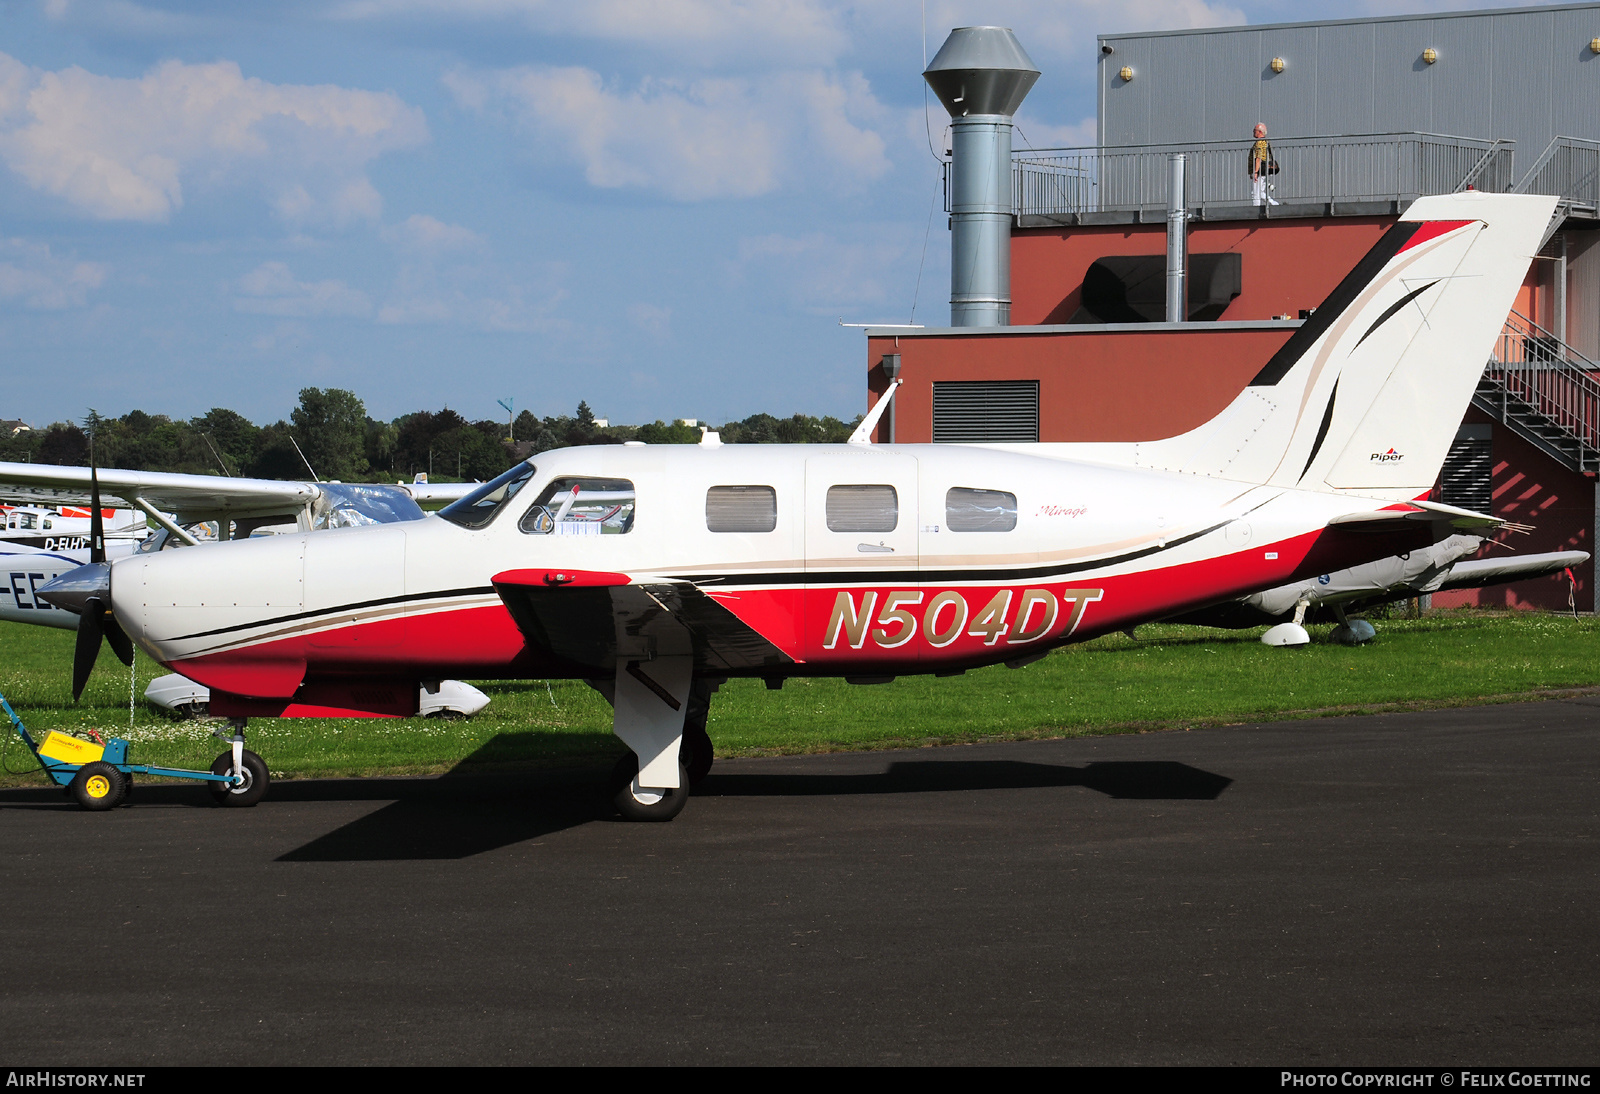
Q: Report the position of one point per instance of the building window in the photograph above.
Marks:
(985, 411)
(863, 509)
(1466, 481)
(741, 509)
(968, 510)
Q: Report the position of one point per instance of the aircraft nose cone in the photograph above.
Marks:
(74, 588)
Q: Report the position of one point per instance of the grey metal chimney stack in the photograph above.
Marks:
(981, 74)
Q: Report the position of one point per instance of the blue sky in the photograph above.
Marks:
(661, 208)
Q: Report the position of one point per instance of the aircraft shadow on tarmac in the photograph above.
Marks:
(469, 811)
(457, 816)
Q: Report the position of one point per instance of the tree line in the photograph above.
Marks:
(330, 435)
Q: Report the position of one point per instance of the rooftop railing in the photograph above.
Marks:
(1065, 184)
(1570, 168)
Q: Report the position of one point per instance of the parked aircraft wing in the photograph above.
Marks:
(191, 497)
(1477, 573)
(595, 620)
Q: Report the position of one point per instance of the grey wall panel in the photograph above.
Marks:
(1177, 109)
(1523, 82)
(1127, 104)
(1344, 79)
(1583, 293)
(1402, 88)
(1575, 105)
(1462, 91)
(1289, 98)
(1232, 83)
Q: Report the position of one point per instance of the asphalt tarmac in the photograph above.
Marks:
(1397, 889)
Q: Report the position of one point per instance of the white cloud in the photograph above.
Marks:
(31, 274)
(270, 289)
(124, 149)
(824, 274)
(423, 234)
(1031, 133)
(694, 139)
(653, 319)
(447, 275)
(807, 31)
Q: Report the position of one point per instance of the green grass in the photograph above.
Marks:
(1168, 677)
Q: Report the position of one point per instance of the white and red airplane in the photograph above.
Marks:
(657, 571)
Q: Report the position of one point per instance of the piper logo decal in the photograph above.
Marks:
(1018, 617)
(1390, 456)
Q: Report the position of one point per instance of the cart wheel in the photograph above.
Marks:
(254, 787)
(97, 786)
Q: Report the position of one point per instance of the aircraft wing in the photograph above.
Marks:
(595, 620)
(1477, 573)
(191, 497)
(432, 493)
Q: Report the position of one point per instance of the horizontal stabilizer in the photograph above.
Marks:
(1462, 520)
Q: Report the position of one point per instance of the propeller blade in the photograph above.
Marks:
(88, 645)
(97, 524)
(118, 639)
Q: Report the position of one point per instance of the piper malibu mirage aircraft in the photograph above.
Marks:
(657, 571)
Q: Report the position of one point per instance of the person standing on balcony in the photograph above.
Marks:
(1262, 164)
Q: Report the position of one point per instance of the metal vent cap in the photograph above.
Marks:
(981, 70)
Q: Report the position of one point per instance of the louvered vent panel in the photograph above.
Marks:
(1468, 470)
(985, 411)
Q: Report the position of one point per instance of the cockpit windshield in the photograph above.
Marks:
(481, 506)
(351, 505)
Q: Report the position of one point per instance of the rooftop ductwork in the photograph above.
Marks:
(981, 75)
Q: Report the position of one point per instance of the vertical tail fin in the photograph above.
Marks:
(1367, 395)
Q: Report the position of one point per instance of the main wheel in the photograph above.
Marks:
(97, 786)
(254, 787)
(697, 751)
(696, 754)
(638, 803)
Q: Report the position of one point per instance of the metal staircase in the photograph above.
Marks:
(1544, 391)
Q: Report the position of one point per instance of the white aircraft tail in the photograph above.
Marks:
(1367, 395)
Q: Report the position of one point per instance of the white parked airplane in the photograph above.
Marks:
(656, 571)
(1436, 568)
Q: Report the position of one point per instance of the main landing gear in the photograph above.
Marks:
(660, 714)
(251, 770)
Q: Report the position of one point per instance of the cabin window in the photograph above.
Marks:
(970, 510)
(47, 523)
(28, 520)
(741, 509)
(481, 506)
(863, 509)
(581, 507)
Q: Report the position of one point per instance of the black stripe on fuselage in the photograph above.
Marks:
(1338, 301)
(875, 577)
(935, 577)
(340, 610)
